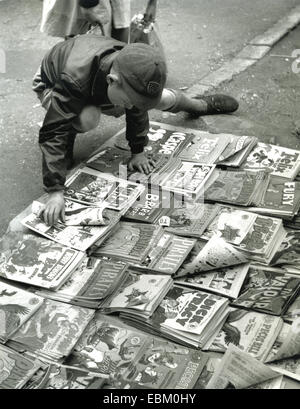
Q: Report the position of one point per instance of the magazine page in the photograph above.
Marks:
(250, 331)
(16, 369)
(54, 329)
(289, 367)
(16, 307)
(216, 254)
(239, 370)
(289, 250)
(31, 259)
(231, 224)
(236, 144)
(226, 282)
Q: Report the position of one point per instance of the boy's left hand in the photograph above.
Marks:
(141, 163)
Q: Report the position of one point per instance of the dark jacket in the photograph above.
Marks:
(76, 71)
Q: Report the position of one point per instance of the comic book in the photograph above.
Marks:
(151, 205)
(289, 367)
(167, 255)
(90, 187)
(138, 294)
(277, 160)
(281, 382)
(31, 259)
(267, 292)
(187, 178)
(189, 317)
(110, 347)
(92, 281)
(16, 369)
(226, 282)
(240, 188)
(293, 312)
(130, 242)
(231, 224)
(237, 150)
(189, 219)
(113, 161)
(252, 332)
(54, 329)
(163, 139)
(289, 250)
(57, 376)
(17, 306)
(216, 254)
(76, 237)
(205, 147)
(282, 198)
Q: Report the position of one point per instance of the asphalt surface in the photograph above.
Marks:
(198, 36)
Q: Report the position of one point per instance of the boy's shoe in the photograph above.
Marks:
(204, 105)
(219, 104)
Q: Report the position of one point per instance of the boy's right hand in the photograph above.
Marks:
(54, 209)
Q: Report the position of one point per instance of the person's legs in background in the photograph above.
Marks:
(121, 17)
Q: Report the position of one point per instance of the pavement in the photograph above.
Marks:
(199, 37)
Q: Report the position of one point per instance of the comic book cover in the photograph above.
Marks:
(276, 160)
(163, 139)
(107, 346)
(293, 312)
(188, 178)
(190, 219)
(268, 292)
(90, 187)
(152, 204)
(16, 307)
(114, 161)
(76, 237)
(188, 310)
(16, 369)
(237, 150)
(169, 253)
(140, 292)
(252, 332)
(91, 282)
(56, 376)
(166, 365)
(130, 241)
(216, 254)
(31, 259)
(289, 367)
(226, 282)
(230, 224)
(289, 250)
(235, 187)
(205, 147)
(54, 329)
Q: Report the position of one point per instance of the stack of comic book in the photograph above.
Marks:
(92, 281)
(189, 317)
(34, 260)
(52, 332)
(132, 359)
(138, 294)
(257, 236)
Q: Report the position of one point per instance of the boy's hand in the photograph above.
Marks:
(141, 163)
(54, 209)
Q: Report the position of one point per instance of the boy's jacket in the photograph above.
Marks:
(76, 72)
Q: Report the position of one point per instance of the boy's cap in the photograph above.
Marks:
(143, 73)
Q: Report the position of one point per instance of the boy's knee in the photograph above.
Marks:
(88, 119)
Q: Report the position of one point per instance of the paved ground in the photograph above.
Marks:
(199, 36)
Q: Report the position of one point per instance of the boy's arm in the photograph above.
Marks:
(137, 128)
(53, 138)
